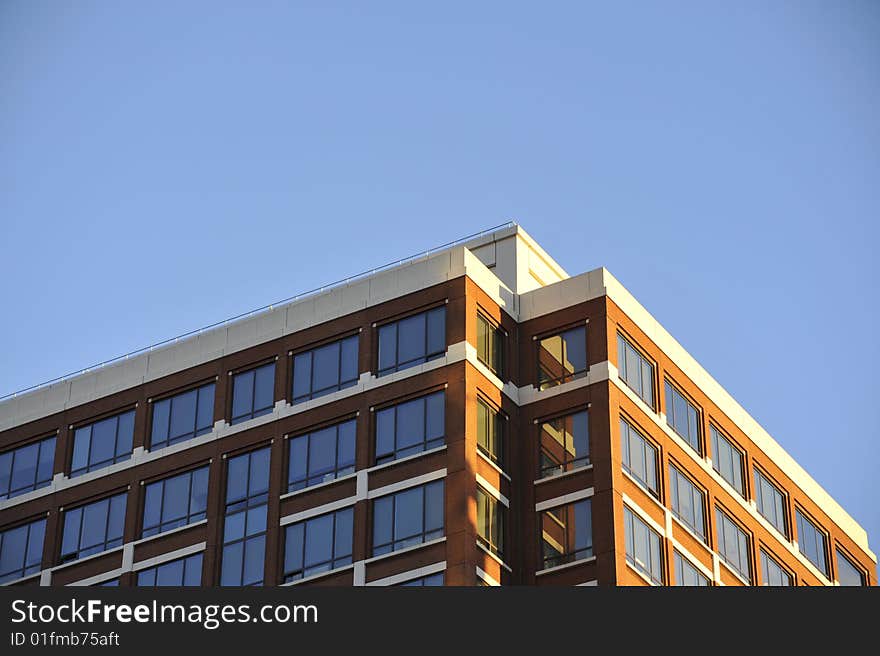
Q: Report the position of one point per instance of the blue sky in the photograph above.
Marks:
(166, 165)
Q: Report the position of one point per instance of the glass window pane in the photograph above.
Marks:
(36, 536)
(183, 414)
(434, 506)
(302, 375)
(103, 441)
(410, 423)
(254, 558)
(242, 394)
(125, 434)
(153, 504)
(24, 473)
(437, 330)
(319, 540)
(259, 472)
(116, 521)
(408, 513)
(72, 522)
(847, 573)
(176, 498)
(232, 561)
(349, 359)
(298, 458)
(14, 542)
(435, 415)
(344, 532)
(199, 500)
(325, 367)
(170, 573)
(161, 416)
(205, 420)
(411, 339)
(94, 526)
(237, 478)
(193, 575)
(382, 520)
(387, 347)
(385, 431)
(347, 436)
(575, 350)
(264, 387)
(322, 452)
(293, 547)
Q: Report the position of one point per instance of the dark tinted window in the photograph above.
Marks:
(643, 547)
(635, 370)
(639, 457)
(687, 502)
(727, 460)
(182, 417)
(566, 533)
(175, 501)
(408, 518)
(102, 443)
(491, 515)
(21, 550)
(27, 468)
(412, 341)
(562, 357)
(812, 543)
(565, 444)
(93, 528)
(425, 581)
(181, 572)
(321, 455)
(683, 417)
(244, 527)
(253, 393)
(318, 545)
(410, 427)
(490, 345)
(325, 369)
(490, 432)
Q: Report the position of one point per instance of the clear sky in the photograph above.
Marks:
(165, 165)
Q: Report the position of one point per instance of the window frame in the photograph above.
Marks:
(108, 544)
(170, 396)
(424, 533)
(566, 466)
(496, 510)
(493, 329)
(200, 555)
(700, 447)
(758, 494)
(674, 493)
(766, 556)
(253, 413)
(627, 341)
(720, 543)
(334, 562)
(428, 355)
(678, 557)
(629, 537)
(543, 385)
(90, 424)
(338, 471)
(500, 420)
(567, 557)
(189, 517)
(840, 552)
(25, 570)
(658, 460)
(743, 466)
(310, 350)
(393, 456)
(800, 513)
(38, 483)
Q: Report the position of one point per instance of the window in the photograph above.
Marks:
(318, 545)
(687, 574)
(112, 583)
(27, 468)
(847, 572)
(93, 528)
(325, 369)
(635, 370)
(566, 533)
(181, 572)
(21, 550)
(412, 341)
(182, 417)
(410, 427)
(490, 433)
(687, 502)
(812, 542)
(772, 573)
(490, 345)
(491, 515)
(175, 501)
(770, 502)
(562, 357)
(102, 443)
(424, 581)
(408, 518)
(683, 417)
(253, 393)
(565, 444)
(733, 545)
(727, 460)
(639, 457)
(322, 455)
(643, 551)
(244, 529)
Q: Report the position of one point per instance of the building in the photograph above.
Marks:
(472, 416)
